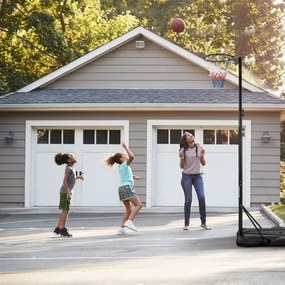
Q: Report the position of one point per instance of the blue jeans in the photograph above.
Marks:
(197, 181)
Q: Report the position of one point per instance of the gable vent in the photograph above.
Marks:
(140, 44)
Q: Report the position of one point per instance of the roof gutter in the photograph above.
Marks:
(137, 107)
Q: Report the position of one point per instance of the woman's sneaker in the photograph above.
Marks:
(64, 232)
(130, 225)
(121, 232)
(204, 226)
(56, 231)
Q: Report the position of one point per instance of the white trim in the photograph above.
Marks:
(140, 107)
(116, 43)
(30, 143)
(158, 123)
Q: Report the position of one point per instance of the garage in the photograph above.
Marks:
(90, 144)
(220, 140)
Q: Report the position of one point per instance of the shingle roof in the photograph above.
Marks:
(138, 96)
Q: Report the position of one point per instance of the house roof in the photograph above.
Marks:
(116, 43)
(139, 99)
(33, 97)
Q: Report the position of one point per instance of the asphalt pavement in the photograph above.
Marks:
(159, 253)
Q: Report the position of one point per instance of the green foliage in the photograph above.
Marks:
(258, 36)
(39, 36)
(245, 28)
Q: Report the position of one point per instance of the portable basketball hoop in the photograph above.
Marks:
(218, 65)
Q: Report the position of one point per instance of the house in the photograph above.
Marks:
(146, 91)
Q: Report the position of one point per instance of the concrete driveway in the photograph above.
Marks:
(160, 253)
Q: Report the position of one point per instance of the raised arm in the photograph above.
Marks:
(130, 154)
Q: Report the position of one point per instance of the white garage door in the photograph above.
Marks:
(220, 173)
(90, 146)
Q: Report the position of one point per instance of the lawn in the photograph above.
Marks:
(279, 210)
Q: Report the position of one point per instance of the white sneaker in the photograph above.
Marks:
(121, 231)
(130, 225)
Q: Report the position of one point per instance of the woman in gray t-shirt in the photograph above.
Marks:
(191, 161)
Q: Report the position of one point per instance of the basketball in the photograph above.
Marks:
(178, 25)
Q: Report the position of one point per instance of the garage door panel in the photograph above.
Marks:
(221, 186)
(100, 184)
(168, 191)
(220, 174)
(48, 180)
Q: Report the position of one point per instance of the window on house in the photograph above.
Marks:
(55, 136)
(88, 136)
(233, 136)
(68, 136)
(175, 136)
(42, 136)
(114, 137)
(220, 136)
(102, 136)
(162, 136)
(171, 136)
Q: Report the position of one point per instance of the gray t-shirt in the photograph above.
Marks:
(192, 161)
(70, 180)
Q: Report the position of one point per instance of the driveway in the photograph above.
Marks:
(160, 253)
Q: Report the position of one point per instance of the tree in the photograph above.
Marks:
(39, 36)
(258, 35)
(250, 29)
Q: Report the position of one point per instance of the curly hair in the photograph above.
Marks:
(61, 158)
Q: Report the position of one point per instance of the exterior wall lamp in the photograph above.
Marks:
(265, 137)
(10, 138)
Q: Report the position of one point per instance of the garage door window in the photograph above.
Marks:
(171, 136)
(55, 136)
(101, 136)
(220, 136)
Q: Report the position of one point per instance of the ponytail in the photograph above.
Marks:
(61, 158)
(113, 158)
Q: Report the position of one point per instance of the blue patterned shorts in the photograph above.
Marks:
(126, 192)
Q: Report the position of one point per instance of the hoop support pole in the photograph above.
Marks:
(240, 165)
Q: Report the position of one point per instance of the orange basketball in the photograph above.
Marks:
(178, 25)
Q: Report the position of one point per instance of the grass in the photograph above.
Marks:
(279, 210)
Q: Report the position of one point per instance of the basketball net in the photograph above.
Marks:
(217, 74)
(218, 65)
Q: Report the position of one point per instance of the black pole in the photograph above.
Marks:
(240, 167)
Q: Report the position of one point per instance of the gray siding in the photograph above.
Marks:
(128, 67)
(264, 161)
(12, 161)
(265, 164)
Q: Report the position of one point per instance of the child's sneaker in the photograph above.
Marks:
(130, 225)
(121, 232)
(56, 231)
(64, 232)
